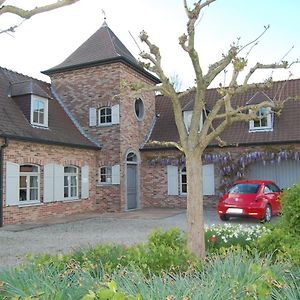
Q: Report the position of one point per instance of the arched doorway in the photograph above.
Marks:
(132, 180)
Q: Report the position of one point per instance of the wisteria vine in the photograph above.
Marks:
(233, 166)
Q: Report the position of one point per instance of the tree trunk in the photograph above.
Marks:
(195, 219)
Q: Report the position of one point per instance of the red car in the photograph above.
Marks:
(250, 198)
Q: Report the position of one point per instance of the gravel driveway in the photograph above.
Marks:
(123, 228)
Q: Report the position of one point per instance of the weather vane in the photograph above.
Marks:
(104, 14)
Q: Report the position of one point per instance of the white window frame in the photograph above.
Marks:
(28, 188)
(106, 115)
(268, 116)
(141, 107)
(35, 99)
(187, 119)
(182, 172)
(69, 186)
(107, 175)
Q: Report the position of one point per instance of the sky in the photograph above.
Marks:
(47, 39)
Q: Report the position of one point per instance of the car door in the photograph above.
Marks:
(276, 201)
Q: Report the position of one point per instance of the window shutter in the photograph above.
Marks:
(187, 119)
(208, 172)
(172, 180)
(92, 116)
(115, 174)
(115, 114)
(12, 183)
(201, 122)
(49, 183)
(58, 182)
(85, 187)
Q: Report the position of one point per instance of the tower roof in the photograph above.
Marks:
(101, 48)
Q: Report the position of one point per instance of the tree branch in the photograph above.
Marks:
(27, 14)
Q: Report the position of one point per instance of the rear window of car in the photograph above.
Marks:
(244, 188)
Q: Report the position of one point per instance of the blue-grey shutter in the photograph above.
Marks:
(92, 116)
(12, 183)
(115, 114)
(58, 182)
(187, 119)
(85, 187)
(172, 174)
(208, 173)
(49, 183)
(115, 174)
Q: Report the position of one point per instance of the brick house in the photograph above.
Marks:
(79, 144)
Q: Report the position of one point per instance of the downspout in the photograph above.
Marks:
(2, 178)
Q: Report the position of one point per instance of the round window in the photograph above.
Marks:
(139, 108)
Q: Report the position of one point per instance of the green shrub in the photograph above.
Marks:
(281, 244)
(163, 252)
(290, 201)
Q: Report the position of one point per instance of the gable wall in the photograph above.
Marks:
(40, 154)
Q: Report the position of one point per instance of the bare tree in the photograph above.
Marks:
(27, 14)
(223, 113)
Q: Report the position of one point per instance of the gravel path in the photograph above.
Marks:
(62, 238)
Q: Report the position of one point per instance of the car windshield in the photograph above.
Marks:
(244, 188)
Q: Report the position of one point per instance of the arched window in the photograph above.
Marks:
(105, 117)
(70, 182)
(29, 183)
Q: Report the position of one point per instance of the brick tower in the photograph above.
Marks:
(89, 84)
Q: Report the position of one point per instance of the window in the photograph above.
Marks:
(139, 108)
(264, 121)
(273, 188)
(70, 182)
(29, 184)
(244, 188)
(105, 117)
(187, 119)
(39, 111)
(106, 175)
(183, 181)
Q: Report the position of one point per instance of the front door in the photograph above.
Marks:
(131, 186)
(132, 181)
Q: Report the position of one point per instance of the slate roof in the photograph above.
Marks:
(101, 48)
(15, 125)
(286, 127)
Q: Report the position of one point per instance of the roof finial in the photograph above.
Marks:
(104, 17)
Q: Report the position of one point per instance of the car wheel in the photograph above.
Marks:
(224, 218)
(268, 213)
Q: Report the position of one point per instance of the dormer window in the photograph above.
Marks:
(39, 111)
(187, 118)
(264, 121)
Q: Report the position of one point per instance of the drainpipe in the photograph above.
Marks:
(2, 178)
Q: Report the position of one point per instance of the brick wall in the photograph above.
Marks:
(101, 86)
(40, 154)
(154, 177)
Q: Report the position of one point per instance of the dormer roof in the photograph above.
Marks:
(102, 47)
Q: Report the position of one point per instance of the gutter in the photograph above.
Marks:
(2, 178)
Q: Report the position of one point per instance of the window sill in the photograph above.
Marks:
(260, 130)
(30, 204)
(106, 184)
(71, 200)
